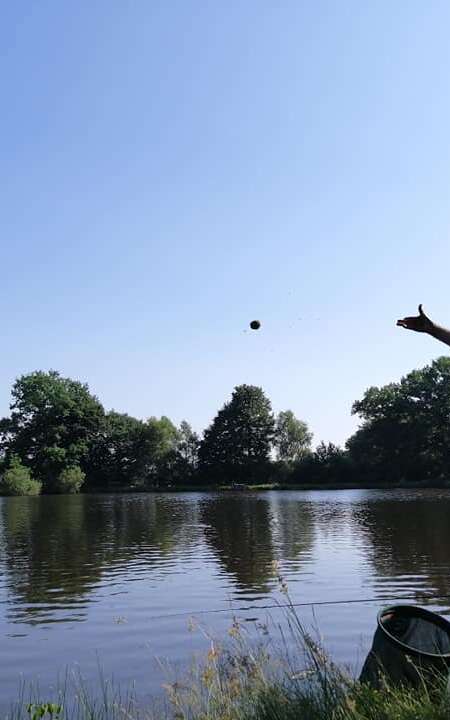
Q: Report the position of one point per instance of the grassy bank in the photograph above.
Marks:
(337, 699)
(261, 487)
(279, 673)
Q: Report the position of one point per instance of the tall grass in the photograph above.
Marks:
(281, 673)
(72, 700)
(293, 679)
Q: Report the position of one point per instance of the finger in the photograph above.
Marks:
(401, 323)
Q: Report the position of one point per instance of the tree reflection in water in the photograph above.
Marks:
(409, 542)
(57, 549)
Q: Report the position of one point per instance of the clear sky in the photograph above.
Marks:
(171, 170)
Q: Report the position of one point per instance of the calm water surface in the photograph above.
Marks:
(114, 579)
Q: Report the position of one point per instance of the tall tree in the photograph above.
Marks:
(292, 437)
(162, 439)
(186, 452)
(405, 429)
(131, 452)
(52, 424)
(238, 442)
(119, 454)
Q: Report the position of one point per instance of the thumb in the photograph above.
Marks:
(421, 312)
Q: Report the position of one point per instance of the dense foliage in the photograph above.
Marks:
(53, 423)
(17, 480)
(292, 438)
(405, 433)
(58, 437)
(70, 480)
(237, 444)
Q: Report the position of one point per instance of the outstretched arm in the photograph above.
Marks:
(422, 323)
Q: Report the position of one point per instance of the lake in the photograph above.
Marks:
(114, 579)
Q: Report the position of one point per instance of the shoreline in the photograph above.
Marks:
(271, 487)
(260, 487)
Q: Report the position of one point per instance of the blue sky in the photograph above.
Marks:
(172, 170)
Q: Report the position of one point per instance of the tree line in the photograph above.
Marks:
(58, 438)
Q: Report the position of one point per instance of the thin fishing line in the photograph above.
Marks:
(250, 608)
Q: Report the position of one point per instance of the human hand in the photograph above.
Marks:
(418, 323)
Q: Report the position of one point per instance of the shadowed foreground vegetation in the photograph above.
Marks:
(281, 674)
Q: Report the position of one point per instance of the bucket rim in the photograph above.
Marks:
(415, 611)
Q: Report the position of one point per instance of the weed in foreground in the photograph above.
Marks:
(279, 672)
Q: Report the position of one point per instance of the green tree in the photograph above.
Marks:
(52, 425)
(162, 439)
(292, 437)
(70, 480)
(187, 447)
(131, 452)
(119, 454)
(237, 444)
(17, 480)
(329, 463)
(405, 429)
